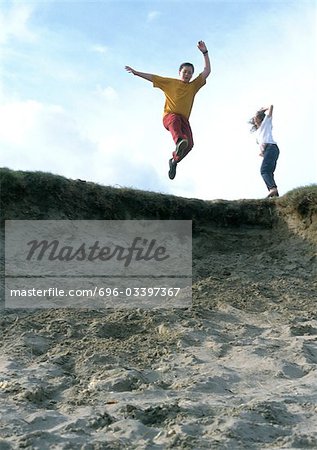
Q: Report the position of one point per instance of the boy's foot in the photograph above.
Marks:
(181, 146)
(172, 171)
(273, 193)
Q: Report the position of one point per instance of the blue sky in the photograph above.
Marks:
(67, 106)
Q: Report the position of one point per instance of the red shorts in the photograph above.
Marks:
(179, 128)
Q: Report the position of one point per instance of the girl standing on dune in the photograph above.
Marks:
(262, 125)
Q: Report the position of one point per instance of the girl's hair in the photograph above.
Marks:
(260, 114)
(185, 64)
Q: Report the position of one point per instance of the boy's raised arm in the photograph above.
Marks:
(207, 69)
(146, 76)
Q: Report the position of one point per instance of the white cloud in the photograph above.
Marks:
(108, 93)
(153, 15)
(37, 136)
(100, 49)
(14, 24)
(17, 120)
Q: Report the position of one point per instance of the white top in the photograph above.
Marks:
(264, 132)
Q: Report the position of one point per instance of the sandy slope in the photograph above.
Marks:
(236, 371)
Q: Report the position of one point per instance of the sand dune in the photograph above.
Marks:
(237, 370)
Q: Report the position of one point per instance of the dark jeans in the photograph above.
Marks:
(270, 157)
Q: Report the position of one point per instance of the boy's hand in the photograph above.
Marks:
(202, 46)
(130, 70)
(146, 76)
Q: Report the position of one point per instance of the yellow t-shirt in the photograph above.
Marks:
(179, 96)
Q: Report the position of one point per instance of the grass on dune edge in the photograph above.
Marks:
(44, 196)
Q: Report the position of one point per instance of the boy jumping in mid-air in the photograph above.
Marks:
(179, 99)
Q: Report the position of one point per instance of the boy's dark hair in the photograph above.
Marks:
(185, 64)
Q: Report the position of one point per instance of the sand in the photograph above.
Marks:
(237, 370)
